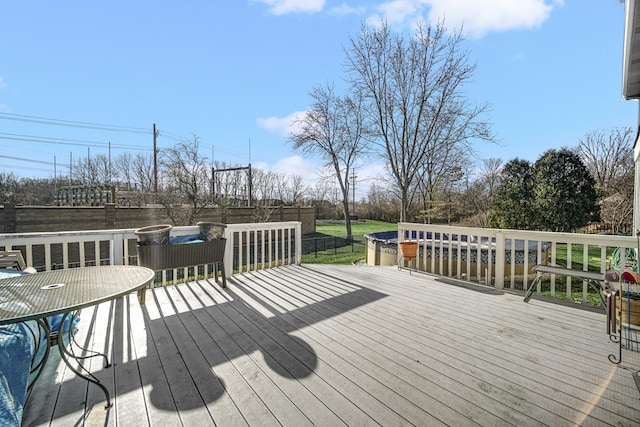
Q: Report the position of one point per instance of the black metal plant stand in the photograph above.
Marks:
(622, 331)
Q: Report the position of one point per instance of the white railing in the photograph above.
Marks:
(248, 246)
(262, 245)
(485, 255)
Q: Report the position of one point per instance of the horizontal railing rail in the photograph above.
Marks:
(248, 247)
(505, 258)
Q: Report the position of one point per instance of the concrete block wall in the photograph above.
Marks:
(26, 219)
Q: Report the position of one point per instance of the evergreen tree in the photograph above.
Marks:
(513, 202)
(565, 192)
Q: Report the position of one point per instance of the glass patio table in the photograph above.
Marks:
(64, 292)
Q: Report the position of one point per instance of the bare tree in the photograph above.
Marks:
(102, 167)
(415, 100)
(84, 172)
(333, 128)
(382, 204)
(281, 184)
(144, 175)
(479, 191)
(9, 187)
(320, 197)
(266, 190)
(320, 191)
(185, 181)
(608, 155)
(123, 170)
(231, 185)
(296, 190)
(490, 174)
(442, 170)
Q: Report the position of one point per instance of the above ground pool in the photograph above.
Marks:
(382, 249)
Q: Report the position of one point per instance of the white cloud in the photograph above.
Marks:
(280, 125)
(309, 169)
(292, 165)
(281, 7)
(296, 165)
(345, 9)
(477, 16)
(397, 12)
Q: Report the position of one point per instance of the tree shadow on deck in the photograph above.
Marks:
(202, 341)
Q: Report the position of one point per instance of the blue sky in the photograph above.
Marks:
(234, 73)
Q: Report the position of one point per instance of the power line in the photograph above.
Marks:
(72, 123)
(224, 150)
(42, 162)
(24, 168)
(83, 125)
(171, 136)
(66, 141)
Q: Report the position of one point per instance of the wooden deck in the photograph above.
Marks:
(342, 345)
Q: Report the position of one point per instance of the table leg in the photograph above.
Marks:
(43, 326)
(66, 354)
(224, 274)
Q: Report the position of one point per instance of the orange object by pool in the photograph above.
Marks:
(630, 276)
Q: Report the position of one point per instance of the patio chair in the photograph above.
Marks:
(12, 260)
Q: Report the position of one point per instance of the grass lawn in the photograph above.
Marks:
(328, 244)
(594, 261)
(577, 262)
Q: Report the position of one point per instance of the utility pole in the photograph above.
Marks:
(89, 174)
(250, 201)
(155, 164)
(109, 174)
(213, 184)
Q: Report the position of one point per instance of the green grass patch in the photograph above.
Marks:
(358, 228)
(328, 245)
(594, 259)
(593, 297)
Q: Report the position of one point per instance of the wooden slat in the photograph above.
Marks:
(342, 345)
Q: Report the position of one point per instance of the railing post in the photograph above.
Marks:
(298, 244)
(117, 249)
(228, 252)
(400, 240)
(500, 260)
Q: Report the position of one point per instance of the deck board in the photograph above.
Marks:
(341, 345)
